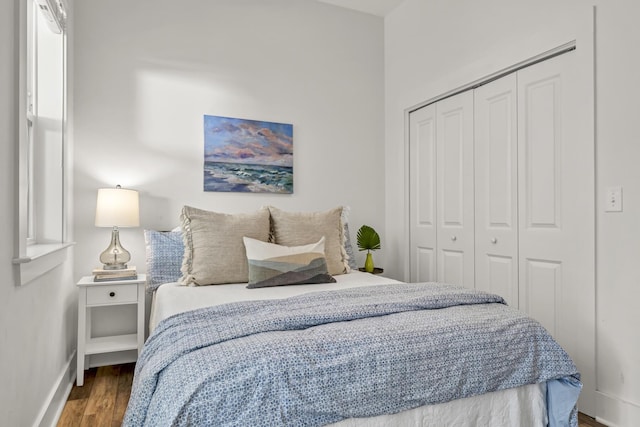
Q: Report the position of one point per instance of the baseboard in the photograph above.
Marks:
(614, 412)
(54, 404)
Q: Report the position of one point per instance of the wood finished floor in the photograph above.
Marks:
(103, 399)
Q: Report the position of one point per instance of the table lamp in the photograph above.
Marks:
(116, 207)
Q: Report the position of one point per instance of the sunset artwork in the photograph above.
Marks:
(247, 156)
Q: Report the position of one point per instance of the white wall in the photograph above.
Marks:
(37, 320)
(147, 71)
(434, 46)
(618, 235)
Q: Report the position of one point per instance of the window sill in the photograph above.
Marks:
(40, 259)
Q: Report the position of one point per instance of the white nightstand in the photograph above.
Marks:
(99, 294)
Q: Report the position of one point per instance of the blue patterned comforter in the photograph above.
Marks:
(321, 357)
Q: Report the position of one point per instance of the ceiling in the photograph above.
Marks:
(374, 7)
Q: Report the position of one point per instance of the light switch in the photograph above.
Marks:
(613, 201)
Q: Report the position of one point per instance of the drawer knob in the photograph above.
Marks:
(112, 294)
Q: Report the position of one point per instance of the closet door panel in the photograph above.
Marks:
(496, 186)
(452, 266)
(544, 283)
(556, 206)
(425, 264)
(422, 140)
(542, 154)
(500, 271)
(454, 182)
(545, 235)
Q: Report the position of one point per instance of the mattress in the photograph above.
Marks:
(525, 405)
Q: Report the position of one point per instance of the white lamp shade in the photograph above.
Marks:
(117, 207)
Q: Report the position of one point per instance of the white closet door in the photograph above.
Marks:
(556, 206)
(455, 224)
(422, 141)
(496, 188)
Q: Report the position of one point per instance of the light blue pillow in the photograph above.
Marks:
(164, 252)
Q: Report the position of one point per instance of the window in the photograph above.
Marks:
(41, 146)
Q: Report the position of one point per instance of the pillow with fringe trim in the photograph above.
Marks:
(348, 246)
(300, 228)
(213, 248)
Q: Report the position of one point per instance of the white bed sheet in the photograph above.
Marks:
(173, 298)
(522, 406)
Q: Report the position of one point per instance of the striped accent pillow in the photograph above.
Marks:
(277, 265)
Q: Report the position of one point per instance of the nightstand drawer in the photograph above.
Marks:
(115, 294)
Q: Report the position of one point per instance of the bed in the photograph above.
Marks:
(360, 350)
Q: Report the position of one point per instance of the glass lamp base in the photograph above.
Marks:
(115, 257)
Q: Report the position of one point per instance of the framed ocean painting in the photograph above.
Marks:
(247, 156)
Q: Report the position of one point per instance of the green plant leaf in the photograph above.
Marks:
(368, 239)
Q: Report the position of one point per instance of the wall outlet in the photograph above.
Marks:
(613, 199)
